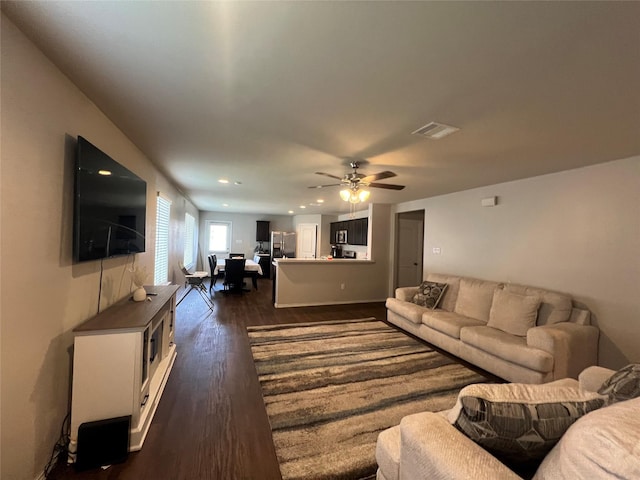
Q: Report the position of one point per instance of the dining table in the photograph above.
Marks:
(251, 269)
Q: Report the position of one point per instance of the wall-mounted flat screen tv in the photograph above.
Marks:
(110, 206)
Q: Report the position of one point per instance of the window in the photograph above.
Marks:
(219, 238)
(163, 214)
(189, 241)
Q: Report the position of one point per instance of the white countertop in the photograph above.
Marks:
(323, 261)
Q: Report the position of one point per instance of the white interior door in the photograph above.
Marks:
(307, 239)
(409, 248)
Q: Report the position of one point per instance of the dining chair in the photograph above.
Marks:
(234, 274)
(236, 255)
(213, 261)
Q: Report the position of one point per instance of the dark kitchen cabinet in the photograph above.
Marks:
(357, 230)
(262, 231)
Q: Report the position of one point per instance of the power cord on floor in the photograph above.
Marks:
(60, 448)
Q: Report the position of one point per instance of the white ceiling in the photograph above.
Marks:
(267, 93)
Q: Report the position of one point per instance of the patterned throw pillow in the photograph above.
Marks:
(519, 422)
(622, 385)
(429, 294)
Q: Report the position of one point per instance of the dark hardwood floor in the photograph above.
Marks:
(211, 422)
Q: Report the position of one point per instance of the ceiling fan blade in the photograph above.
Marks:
(328, 175)
(377, 176)
(388, 186)
(329, 185)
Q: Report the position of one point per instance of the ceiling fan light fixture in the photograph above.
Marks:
(355, 185)
(354, 195)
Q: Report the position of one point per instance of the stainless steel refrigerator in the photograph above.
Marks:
(283, 244)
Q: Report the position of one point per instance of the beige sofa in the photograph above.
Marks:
(519, 333)
(602, 444)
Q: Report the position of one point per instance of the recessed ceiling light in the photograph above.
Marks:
(237, 183)
(320, 200)
(104, 172)
(225, 204)
(302, 206)
(290, 211)
(223, 180)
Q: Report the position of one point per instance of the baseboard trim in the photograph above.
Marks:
(322, 304)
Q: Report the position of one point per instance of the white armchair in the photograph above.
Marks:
(427, 446)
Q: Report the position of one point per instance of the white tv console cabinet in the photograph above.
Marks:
(121, 362)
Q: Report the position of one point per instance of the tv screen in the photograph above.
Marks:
(110, 206)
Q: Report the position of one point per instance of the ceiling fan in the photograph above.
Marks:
(354, 181)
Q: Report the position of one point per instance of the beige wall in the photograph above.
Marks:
(576, 232)
(43, 294)
(243, 229)
(325, 242)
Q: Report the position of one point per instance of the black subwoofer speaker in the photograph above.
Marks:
(103, 442)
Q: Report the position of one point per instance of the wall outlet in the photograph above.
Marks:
(436, 250)
(342, 286)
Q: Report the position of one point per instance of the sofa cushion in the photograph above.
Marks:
(388, 452)
(518, 421)
(408, 310)
(448, 301)
(622, 385)
(554, 307)
(513, 313)
(508, 347)
(448, 323)
(474, 298)
(602, 445)
(429, 294)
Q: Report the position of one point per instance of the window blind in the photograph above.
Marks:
(189, 240)
(163, 214)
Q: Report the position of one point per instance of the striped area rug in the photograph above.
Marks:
(329, 388)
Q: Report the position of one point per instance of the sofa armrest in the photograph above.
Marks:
(592, 378)
(574, 347)
(406, 293)
(433, 448)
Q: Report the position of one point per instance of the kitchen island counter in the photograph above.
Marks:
(306, 282)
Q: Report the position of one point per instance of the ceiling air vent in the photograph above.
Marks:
(435, 131)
